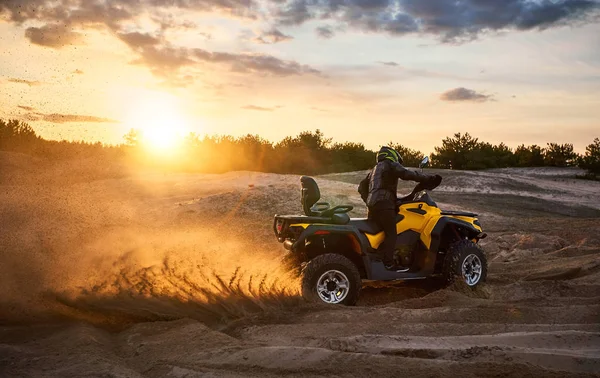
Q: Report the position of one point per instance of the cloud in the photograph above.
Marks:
(259, 63)
(112, 12)
(55, 36)
(325, 32)
(78, 72)
(465, 20)
(64, 118)
(450, 21)
(392, 64)
(166, 60)
(207, 36)
(137, 40)
(26, 82)
(28, 108)
(64, 21)
(260, 108)
(272, 36)
(464, 94)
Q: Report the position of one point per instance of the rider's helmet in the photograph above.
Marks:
(389, 154)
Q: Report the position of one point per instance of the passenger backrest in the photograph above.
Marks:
(310, 194)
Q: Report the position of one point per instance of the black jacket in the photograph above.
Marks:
(383, 184)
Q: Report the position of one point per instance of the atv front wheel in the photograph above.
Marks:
(331, 279)
(465, 261)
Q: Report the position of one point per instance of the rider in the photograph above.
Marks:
(379, 189)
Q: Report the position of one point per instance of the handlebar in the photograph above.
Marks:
(434, 183)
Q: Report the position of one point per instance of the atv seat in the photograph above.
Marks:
(312, 208)
(365, 225)
(338, 219)
(369, 226)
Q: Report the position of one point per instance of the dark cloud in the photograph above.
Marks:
(21, 10)
(137, 40)
(81, 12)
(259, 63)
(259, 108)
(166, 61)
(64, 118)
(293, 12)
(464, 94)
(451, 21)
(28, 108)
(273, 35)
(325, 32)
(464, 20)
(65, 19)
(55, 36)
(26, 82)
(374, 16)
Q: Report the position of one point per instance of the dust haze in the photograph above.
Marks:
(150, 274)
(97, 250)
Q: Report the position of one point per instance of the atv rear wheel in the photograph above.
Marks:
(331, 279)
(465, 261)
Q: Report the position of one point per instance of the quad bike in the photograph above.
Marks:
(334, 253)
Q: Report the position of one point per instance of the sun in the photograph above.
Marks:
(160, 119)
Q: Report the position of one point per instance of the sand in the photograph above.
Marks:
(179, 275)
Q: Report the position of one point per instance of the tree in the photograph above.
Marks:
(307, 153)
(133, 137)
(591, 159)
(560, 155)
(412, 158)
(17, 136)
(255, 151)
(456, 152)
(350, 156)
(530, 156)
(503, 156)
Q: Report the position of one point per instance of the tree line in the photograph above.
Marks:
(307, 153)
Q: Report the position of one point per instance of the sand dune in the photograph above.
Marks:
(155, 275)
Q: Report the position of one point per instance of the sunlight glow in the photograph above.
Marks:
(161, 121)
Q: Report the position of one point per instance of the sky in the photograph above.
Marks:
(369, 71)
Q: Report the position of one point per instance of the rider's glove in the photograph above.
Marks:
(434, 180)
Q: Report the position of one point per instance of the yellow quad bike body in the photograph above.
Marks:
(334, 253)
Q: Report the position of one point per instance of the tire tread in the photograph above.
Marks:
(335, 261)
(451, 268)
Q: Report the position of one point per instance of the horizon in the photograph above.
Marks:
(516, 72)
(152, 144)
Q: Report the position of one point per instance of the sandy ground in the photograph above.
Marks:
(179, 275)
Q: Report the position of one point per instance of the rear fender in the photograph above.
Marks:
(326, 237)
(324, 230)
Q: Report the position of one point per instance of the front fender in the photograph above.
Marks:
(469, 227)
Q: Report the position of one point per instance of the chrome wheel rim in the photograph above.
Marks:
(333, 286)
(472, 269)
